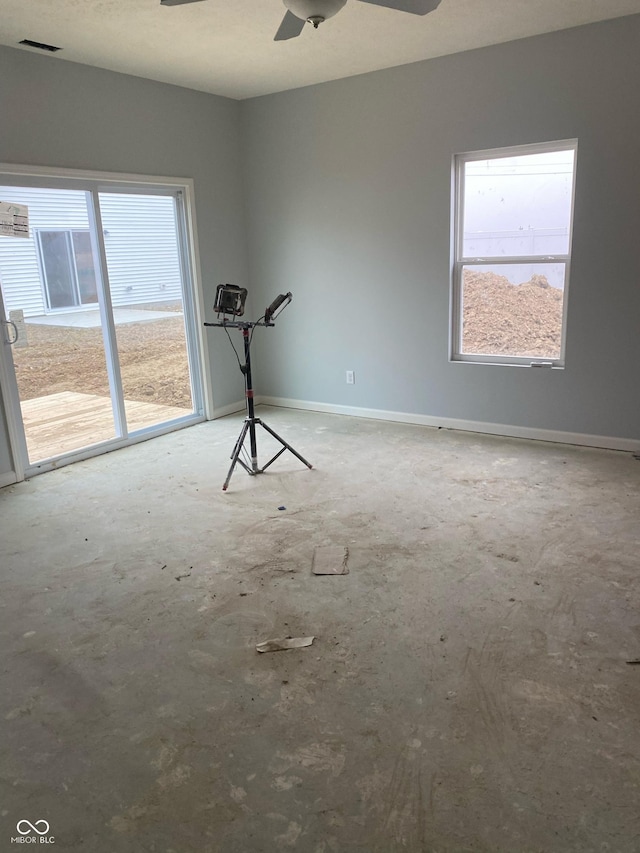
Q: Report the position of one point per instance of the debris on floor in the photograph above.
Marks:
(185, 575)
(284, 643)
(281, 508)
(636, 661)
(330, 560)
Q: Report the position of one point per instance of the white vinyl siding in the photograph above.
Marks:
(20, 272)
(142, 252)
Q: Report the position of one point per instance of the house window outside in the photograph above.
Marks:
(67, 266)
(512, 252)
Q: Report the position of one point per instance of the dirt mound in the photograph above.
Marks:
(500, 318)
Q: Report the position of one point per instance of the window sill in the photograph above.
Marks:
(497, 361)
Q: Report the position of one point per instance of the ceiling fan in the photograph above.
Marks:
(300, 12)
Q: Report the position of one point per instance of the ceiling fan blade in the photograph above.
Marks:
(176, 2)
(415, 7)
(290, 27)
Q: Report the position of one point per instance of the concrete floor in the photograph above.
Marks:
(467, 689)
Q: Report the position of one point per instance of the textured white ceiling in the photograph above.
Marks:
(226, 47)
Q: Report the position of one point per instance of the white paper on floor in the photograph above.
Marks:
(281, 645)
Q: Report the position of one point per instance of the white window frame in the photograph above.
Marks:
(68, 232)
(460, 260)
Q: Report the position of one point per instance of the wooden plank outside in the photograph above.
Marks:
(67, 421)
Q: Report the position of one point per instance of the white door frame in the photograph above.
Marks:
(92, 183)
(11, 400)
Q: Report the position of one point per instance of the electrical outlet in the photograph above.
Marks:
(351, 377)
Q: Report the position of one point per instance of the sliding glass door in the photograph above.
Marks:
(68, 268)
(143, 262)
(100, 304)
(59, 353)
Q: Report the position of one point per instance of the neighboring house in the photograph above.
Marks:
(54, 270)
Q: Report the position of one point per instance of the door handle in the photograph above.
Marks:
(15, 332)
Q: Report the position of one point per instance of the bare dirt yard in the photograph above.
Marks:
(153, 361)
(500, 318)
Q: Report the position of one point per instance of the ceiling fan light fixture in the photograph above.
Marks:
(314, 11)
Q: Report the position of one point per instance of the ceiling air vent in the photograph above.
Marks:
(50, 47)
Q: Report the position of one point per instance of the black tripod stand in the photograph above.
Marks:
(250, 421)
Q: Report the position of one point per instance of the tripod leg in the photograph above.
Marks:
(236, 453)
(286, 446)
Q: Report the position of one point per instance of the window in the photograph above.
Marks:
(67, 266)
(513, 220)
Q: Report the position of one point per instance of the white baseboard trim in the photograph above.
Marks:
(506, 430)
(8, 479)
(229, 409)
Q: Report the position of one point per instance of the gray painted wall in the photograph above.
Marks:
(348, 188)
(55, 113)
